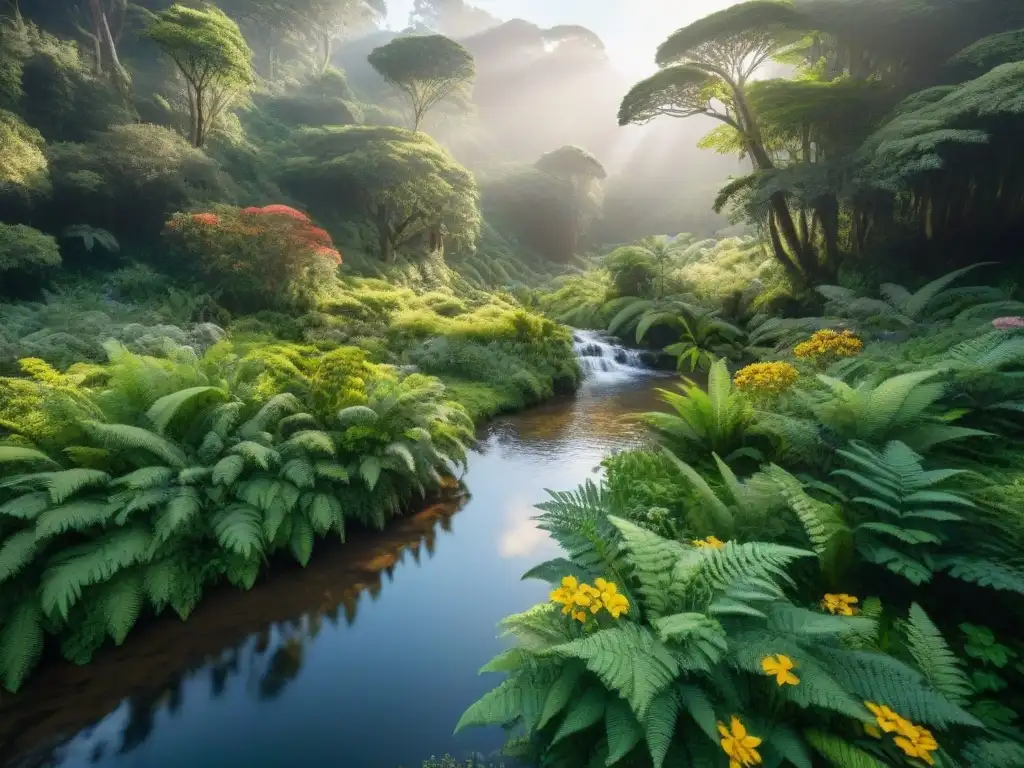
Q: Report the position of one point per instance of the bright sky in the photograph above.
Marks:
(631, 29)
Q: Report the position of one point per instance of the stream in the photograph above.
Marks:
(367, 657)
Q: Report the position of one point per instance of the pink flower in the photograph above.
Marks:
(1008, 323)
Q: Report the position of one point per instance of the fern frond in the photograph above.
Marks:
(120, 605)
(124, 437)
(17, 551)
(629, 660)
(167, 408)
(21, 643)
(145, 478)
(583, 712)
(76, 516)
(839, 752)
(62, 485)
(9, 454)
(88, 564)
(239, 529)
(940, 666)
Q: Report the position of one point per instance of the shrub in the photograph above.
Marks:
(129, 179)
(25, 252)
(257, 258)
(765, 379)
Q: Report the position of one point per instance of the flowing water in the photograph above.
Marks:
(365, 659)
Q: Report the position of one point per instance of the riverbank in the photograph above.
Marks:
(275, 657)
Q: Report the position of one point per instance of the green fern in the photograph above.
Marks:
(839, 752)
(934, 659)
(21, 643)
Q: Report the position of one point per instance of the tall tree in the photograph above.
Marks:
(213, 58)
(581, 173)
(706, 69)
(426, 68)
(407, 187)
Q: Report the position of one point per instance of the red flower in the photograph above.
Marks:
(318, 236)
(283, 210)
(252, 210)
(206, 219)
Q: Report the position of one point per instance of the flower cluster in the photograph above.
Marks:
(1008, 323)
(711, 542)
(739, 745)
(915, 740)
(829, 344)
(766, 378)
(840, 604)
(575, 597)
(781, 668)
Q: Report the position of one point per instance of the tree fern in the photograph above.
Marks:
(148, 477)
(934, 659)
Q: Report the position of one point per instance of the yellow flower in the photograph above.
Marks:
(780, 666)
(738, 744)
(766, 378)
(829, 343)
(711, 542)
(872, 730)
(916, 741)
(839, 604)
(887, 720)
(575, 597)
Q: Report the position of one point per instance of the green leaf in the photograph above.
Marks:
(583, 712)
(659, 725)
(622, 730)
(227, 470)
(17, 551)
(21, 643)
(239, 529)
(839, 752)
(163, 411)
(628, 659)
(88, 564)
(76, 516)
(121, 604)
(369, 470)
(301, 543)
(63, 485)
(15, 453)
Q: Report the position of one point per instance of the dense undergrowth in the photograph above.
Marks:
(817, 559)
(225, 331)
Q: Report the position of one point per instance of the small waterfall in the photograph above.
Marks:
(598, 355)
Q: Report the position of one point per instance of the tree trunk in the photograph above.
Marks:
(200, 129)
(326, 63)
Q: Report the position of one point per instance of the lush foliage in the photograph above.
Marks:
(815, 565)
(256, 258)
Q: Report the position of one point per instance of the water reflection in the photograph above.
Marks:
(286, 675)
